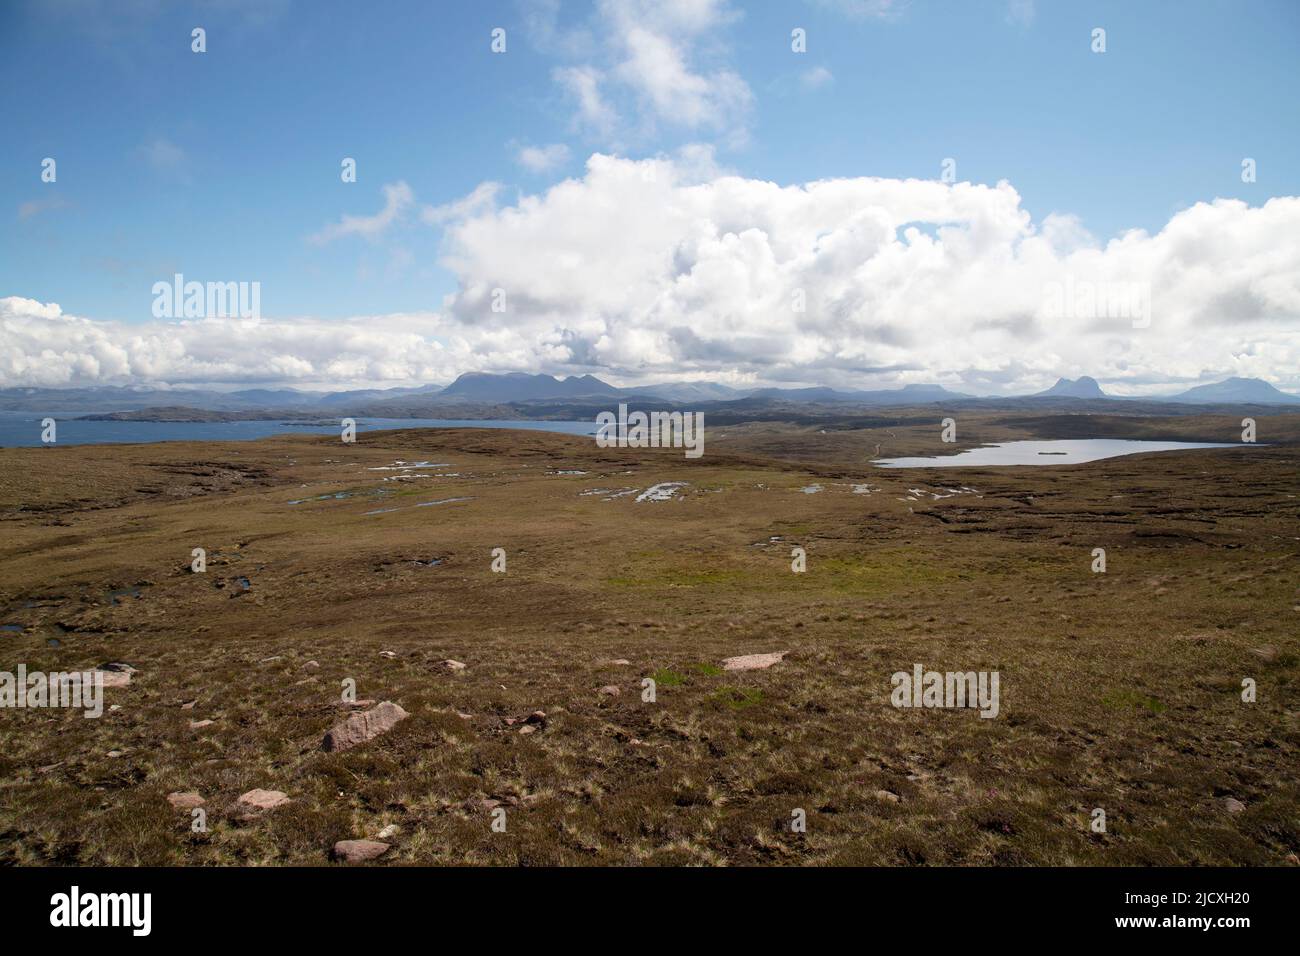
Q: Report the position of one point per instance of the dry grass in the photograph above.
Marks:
(1119, 691)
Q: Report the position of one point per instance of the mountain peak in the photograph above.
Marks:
(1237, 390)
(1085, 386)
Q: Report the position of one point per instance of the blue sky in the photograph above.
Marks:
(225, 165)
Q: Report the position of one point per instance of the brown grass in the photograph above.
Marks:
(1119, 691)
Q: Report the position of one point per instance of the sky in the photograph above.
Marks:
(987, 195)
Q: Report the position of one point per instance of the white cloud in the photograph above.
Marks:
(662, 64)
(670, 268)
(639, 270)
(583, 84)
(397, 199)
(816, 78)
(43, 346)
(542, 159)
(482, 199)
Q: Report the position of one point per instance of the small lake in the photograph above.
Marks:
(23, 429)
(1069, 452)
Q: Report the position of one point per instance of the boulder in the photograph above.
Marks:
(256, 801)
(753, 662)
(363, 726)
(185, 801)
(358, 851)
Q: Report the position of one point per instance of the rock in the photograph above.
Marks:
(185, 801)
(388, 832)
(189, 704)
(305, 680)
(610, 690)
(484, 804)
(358, 851)
(311, 665)
(454, 666)
(115, 753)
(388, 654)
(536, 717)
(528, 729)
(270, 660)
(367, 702)
(259, 800)
(1233, 805)
(115, 673)
(464, 716)
(200, 724)
(888, 796)
(619, 662)
(753, 662)
(363, 726)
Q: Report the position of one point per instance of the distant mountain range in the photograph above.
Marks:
(486, 391)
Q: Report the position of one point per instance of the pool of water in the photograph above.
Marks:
(1067, 452)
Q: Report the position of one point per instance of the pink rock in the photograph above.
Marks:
(185, 801)
(610, 690)
(363, 726)
(453, 666)
(753, 662)
(256, 800)
(358, 851)
(200, 724)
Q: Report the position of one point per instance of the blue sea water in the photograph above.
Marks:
(23, 429)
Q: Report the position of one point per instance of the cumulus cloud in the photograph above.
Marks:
(670, 268)
(40, 345)
(398, 197)
(641, 270)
